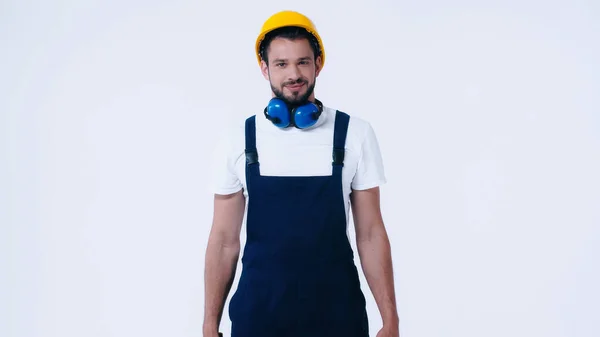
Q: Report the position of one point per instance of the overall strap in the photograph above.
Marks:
(250, 151)
(339, 140)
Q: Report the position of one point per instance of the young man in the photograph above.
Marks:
(298, 166)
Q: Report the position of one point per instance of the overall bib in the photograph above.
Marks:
(298, 277)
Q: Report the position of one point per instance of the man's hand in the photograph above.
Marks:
(389, 331)
(211, 333)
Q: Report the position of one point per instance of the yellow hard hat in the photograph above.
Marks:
(286, 19)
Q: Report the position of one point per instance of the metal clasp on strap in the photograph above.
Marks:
(251, 157)
(338, 156)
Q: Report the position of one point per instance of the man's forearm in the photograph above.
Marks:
(375, 255)
(220, 266)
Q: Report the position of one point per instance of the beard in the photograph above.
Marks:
(294, 99)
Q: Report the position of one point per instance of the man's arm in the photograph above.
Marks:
(222, 255)
(375, 253)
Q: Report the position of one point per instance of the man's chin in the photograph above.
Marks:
(295, 94)
(297, 101)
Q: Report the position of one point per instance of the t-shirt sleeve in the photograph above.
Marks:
(224, 178)
(370, 171)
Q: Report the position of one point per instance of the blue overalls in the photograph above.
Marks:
(298, 277)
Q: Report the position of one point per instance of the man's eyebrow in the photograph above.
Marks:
(305, 58)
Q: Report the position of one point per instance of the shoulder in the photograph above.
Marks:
(233, 133)
(359, 129)
(363, 146)
(359, 125)
(232, 142)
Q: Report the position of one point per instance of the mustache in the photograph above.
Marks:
(298, 81)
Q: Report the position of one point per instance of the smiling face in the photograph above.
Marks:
(292, 69)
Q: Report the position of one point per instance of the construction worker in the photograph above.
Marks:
(298, 166)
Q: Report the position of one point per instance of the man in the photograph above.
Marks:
(298, 166)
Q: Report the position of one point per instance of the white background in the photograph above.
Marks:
(487, 113)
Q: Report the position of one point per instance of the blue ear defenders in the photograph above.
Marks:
(301, 117)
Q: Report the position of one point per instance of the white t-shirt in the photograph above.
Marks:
(295, 152)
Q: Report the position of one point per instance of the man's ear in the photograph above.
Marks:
(264, 68)
(318, 65)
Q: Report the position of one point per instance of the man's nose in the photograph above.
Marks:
(294, 73)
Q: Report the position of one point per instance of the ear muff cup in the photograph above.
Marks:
(278, 113)
(306, 115)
